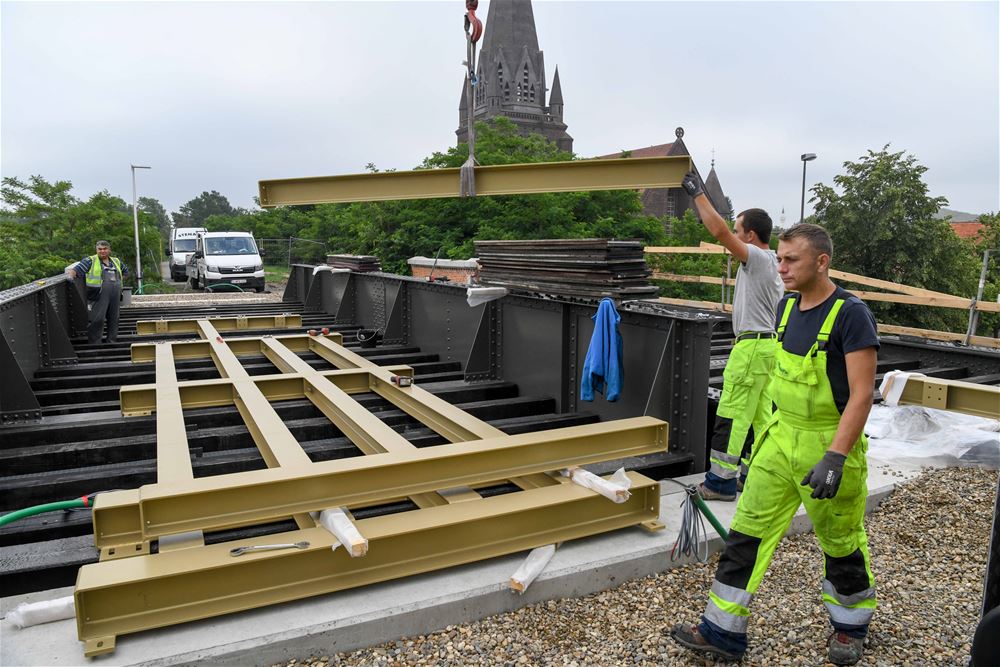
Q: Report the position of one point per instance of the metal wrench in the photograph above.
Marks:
(239, 551)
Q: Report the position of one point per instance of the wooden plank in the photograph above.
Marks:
(682, 250)
(706, 305)
(981, 341)
(937, 302)
(885, 284)
(707, 280)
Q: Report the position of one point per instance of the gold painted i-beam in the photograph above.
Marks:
(134, 594)
(508, 179)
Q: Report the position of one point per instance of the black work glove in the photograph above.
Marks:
(692, 185)
(825, 476)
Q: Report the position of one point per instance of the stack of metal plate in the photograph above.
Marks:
(594, 268)
(360, 263)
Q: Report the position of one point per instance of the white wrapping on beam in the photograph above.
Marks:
(27, 614)
(337, 522)
(531, 567)
(476, 296)
(616, 488)
(893, 384)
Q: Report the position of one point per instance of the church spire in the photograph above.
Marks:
(555, 97)
(510, 24)
(511, 79)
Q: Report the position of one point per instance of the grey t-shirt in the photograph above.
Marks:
(758, 290)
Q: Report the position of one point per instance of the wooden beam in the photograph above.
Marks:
(981, 341)
(885, 284)
(676, 277)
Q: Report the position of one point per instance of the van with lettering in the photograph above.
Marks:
(180, 246)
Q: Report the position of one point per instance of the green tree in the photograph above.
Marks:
(195, 212)
(43, 228)
(688, 231)
(883, 226)
(155, 210)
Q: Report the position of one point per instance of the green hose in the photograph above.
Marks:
(42, 509)
(211, 288)
(723, 533)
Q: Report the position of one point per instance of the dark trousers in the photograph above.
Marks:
(105, 308)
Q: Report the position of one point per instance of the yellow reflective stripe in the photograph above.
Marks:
(728, 607)
(868, 603)
(784, 316)
(831, 317)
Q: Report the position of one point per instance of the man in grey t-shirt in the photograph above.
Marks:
(744, 406)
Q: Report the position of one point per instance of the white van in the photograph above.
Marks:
(226, 257)
(182, 242)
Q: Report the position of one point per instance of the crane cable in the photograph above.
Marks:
(473, 31)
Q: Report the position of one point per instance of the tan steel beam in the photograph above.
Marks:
(240, 346)
(510, 179)
(239, 323)
(173, 458)
(453, 424)
(140, 399)
(164, 589)
(368, 433)
(262, 495)
(973, 399)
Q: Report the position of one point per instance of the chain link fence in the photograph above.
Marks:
(282, 253)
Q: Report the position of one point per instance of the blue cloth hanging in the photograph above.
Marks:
(603, 369)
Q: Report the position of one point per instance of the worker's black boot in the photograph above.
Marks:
(843, 649)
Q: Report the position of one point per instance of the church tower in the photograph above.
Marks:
(510, 75)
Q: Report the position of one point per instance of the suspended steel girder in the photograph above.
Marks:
(508, 179)
(134, 594)
(258, 496)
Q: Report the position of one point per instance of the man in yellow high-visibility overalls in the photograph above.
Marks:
(811, 452)
(744, 406)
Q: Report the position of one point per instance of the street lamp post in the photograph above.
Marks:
(806, 157)
(135, 223)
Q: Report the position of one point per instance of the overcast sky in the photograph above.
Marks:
(215, 96)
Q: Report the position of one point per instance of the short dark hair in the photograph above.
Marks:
(102, 244)
(817, 237)
(758, 221)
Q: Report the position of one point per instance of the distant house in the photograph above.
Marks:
(965, 225)
(966, 230)
(674, 201)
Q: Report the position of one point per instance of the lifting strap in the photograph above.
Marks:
(473, 31)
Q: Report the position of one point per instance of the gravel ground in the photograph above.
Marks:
(928, 569)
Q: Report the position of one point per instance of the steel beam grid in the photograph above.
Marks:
(163, 589)
(510, 179)
(191, 580)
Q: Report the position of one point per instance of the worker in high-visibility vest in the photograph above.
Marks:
(812, 453)
(104, 275)
(744, 406)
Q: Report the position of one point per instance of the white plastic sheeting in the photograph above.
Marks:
(616, 488)
(531, 567)
(917, 435)
(27, 614)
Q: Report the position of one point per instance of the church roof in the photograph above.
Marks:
(715, 194)
(463, 104)
(659, 150)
